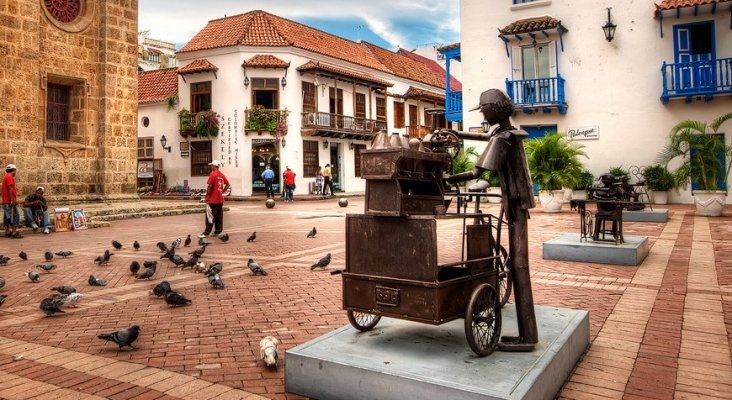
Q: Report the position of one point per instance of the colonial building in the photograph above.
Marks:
(257, 89)
(69, 84)
(617, 79)
(155, 54)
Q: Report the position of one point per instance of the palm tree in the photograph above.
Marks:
(554, 162)
(703, 155)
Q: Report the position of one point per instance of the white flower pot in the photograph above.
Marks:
(551, 201)
(567, 194)
(709, 203)
(660, 197)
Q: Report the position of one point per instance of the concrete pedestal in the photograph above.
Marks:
(646, 216)
(407, 360)
(568, 247)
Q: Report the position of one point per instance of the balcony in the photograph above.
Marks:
(260, 120)
(696, 79)
(418, 131)
(454, 106)
(337, 125)
(204, 124)
(533, 95)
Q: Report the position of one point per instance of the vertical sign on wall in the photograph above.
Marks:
(236, 139)
(222, 138)
(228, 130)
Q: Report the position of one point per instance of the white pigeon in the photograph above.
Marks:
(72, 299)
(268, 350)
(176, 243)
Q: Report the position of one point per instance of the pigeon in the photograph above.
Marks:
(48, 267)
(64, 289)
(23, 256)
(224, 237)
(168, 254)
(4, 260)
(163, 248)
(134, 267)
(198, 252)
(48, 255)
(188, 241)
(175, 299)
(123, 338)
(146, 274)
(312, 233)
(176, 243)
(252, 237)
(117, 245)
(256, 268)
(215, 281)
(2, 282)
(71, 299)
(104, 258)
(268, 351)
(202, 242)
(96, 282)
(150, 264)
(33, 276)
(215, 268)
(177, 260)
(2, 298)
(161, 289)
(322, 263)
(200, 267)
(191, 263)
(51, 306)
(136, 245)
(64, 253)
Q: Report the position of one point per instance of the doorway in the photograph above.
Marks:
(694, 55)
(264, 152)
(335, 165)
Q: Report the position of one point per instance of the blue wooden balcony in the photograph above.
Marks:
(696, 79)
(454, 106)
(543, 94)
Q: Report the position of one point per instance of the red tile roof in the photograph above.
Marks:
(403, 66)
(318, 66)
(449, 46)
(413, 92)
(436, 69)
(157, 85)
(673, 4)
(200, 65)
(266, 61)
(533, 24)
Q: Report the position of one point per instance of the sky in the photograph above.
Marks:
(391, 24)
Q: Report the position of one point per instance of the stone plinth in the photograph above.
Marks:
(569, 247)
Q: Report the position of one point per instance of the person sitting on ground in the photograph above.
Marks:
(11, 216)
(36, 211)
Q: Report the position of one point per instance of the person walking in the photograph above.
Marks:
(328, 181)
(289, 184)
(268, 178)
(11, 216)
(319, 181)
(217, 185)
(36, 211)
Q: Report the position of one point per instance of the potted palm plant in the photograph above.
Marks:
(704, 159)
(579, 191)
(554, 163)
(659, 181)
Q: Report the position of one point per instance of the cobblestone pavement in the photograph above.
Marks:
(662, 330)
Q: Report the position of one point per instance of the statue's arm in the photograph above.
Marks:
(465, 176)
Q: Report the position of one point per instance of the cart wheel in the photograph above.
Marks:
(505, 281)
(483, 320)
(363, 321)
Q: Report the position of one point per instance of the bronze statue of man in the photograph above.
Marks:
(505, 154)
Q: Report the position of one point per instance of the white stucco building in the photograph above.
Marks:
(287, 95)
(554, 60)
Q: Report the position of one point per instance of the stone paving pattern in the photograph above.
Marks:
(662, 330)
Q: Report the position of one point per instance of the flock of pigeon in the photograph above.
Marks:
(68, 296)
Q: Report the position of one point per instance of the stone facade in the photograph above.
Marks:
(91, 52)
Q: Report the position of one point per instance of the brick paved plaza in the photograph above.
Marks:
(662, 330)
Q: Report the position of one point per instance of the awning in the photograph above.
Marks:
(674, 7)
(265, 61)
(532, 27)
(198, 66)
(342, 73)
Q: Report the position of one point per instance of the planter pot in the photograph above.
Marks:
(660, 197)
(567, 194)
(579, 195)
(551, 201)
(709, 203)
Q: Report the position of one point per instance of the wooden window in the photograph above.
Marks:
(200, 158)
(413, 115)
(57, 117)
(153, 57)
(200, 97)
(360, 105)
(310, 158)
(145, 148)
(357, 149)
(265, 93)
(398, 115)
(381, 109)
(309, 98)
(336, 101)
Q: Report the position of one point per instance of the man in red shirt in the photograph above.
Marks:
(289, 183)
(11, 216)
(217, 186)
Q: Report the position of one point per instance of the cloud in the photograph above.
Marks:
(403, 23)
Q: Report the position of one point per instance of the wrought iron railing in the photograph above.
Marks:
(698, 78)
(454, 106)
(341, 122)
(418, 131)
(541, 92)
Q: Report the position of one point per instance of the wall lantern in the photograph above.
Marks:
(609, 27)
(326, 144)
(283, 143)
(283, 82)
(164, 141)
(352, 146)
(246, 81)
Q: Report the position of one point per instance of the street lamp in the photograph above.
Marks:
(164, 141)
(609, 27)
